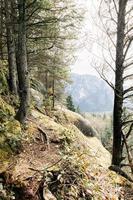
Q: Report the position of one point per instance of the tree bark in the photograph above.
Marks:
(22, 67)
(118, 93)
(1, 30)
(46, 81)
(10, 48)
(53, 91)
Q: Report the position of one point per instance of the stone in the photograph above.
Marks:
(47, 194)
(37, 97)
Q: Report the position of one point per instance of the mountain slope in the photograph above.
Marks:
(90, 93)
(57, 161)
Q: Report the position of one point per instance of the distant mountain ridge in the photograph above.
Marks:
(90, 93)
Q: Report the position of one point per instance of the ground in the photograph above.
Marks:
(57, 161)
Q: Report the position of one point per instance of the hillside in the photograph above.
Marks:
(90, 93)
(66, 136)
(59, 157)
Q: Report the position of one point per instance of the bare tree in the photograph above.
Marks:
(118, 92)
(120, 14)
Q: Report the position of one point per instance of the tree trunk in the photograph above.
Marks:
(46, 81)
(1, 30)
(118, 94)
(10, 48)
(22, 67)
(53, 92)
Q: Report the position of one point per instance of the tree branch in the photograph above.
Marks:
(128, 90)
(128, 96)
(129, 31)
(128, 65)
(129, 131)
(129, 10)
(127, 122)
(128, 76)
(105, 79)
(128, 152)
(115, 7)
(32, 13)
(128, 46)
(31, 4)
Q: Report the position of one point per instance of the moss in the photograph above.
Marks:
(13, 127)
(3, 78)
(6, 111)
(5, 153)
(10, 132)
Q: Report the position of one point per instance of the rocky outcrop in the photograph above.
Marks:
(37, 97)
(68, 117)
(58, 161)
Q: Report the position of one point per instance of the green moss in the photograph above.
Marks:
(3, 78)
(5, 153)
(10, 132)
(6, 111)
(13, 127)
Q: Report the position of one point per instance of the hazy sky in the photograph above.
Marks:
(88, 50)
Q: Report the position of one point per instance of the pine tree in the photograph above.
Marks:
(69, 103)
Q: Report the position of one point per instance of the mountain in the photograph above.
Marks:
(90, 93)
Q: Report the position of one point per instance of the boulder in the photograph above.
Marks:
(37, 97)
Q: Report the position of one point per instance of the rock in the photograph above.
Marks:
(37, 97)
(47, 195)
(64, 115)
(84, 126)
(3, 195)
(1, 186)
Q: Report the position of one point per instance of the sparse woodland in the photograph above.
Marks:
(49, 149)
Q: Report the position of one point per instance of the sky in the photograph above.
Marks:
(94, 44)
(88, 48)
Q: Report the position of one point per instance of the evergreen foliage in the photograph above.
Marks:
(37, 42)
(69, 103)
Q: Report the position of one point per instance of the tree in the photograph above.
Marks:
(119, 16)
(37, 38)
(10, 47)
(1, 29)
(69, 103)
(119, 91)
(50, 45)
(22, 67)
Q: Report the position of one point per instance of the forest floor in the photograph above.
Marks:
(57, 161)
